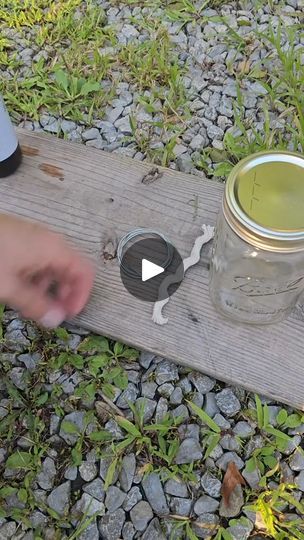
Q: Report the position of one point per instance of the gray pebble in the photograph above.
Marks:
(161, 409)
(140, 515)
(113, 428)
(198, 399)
(184, 163)
(297, 460)
(273, 411)
(123, 125)
(111, 524)
(236, 502)
(76, 418)
(210, 406)
(128, 531)
(225, 459)
(153, 531)
(198, 142)
(205, 504)
(217, 452)
(105, 463)
(221, 421)
(30, 360)
(52, 127)
(253, 444)
(89, 506)
(96, 143)
(202, 383)
(70, 473)
(165, 372)
(252, 478)
(243, 430)
(299, 481)
(242, 530)
(133, 497)
(292, 445)
(185, 385)
(181, 412)
(148, 406)
(91, 532)
(114, 498)
(2, 455)
(229, 442)
(204, 525)
(166, 389)
(176, 396)
(67, 126)
(59, 498)
(189, 431)
(145, 359)
(128, 395)
(54, 424)
(155, 494)
(148, 389)
(127, 471)
(47, 475)
(113, 114)
(18, 377)
(7, 531)
(176, 488)
(189, 451)
(211, 485)
(95, 489)
(88, 471)
(227, 402)
(37, 519)
(179, 149)
(90, 134)
(180, 506)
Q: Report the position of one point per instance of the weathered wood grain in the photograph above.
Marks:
(94, 197)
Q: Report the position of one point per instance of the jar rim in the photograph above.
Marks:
(239, 194)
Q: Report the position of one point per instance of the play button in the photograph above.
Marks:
(151, 269)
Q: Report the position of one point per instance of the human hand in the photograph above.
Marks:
(41, 276)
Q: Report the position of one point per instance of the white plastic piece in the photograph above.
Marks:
(208, 233)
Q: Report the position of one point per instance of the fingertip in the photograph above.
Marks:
(53, 317)
(81, 282)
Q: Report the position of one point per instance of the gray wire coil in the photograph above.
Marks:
(134, 234)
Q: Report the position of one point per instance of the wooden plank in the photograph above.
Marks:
(92, 197)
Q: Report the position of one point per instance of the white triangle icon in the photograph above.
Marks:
(149, 270)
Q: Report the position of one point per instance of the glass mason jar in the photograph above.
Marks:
(257, 266)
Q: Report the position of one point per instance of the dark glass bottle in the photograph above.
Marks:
(10, 151)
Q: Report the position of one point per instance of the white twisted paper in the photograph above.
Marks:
(157, 316)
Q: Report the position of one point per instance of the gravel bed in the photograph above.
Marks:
(60, 480)
(55, 473)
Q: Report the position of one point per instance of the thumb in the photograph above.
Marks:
(39, 307)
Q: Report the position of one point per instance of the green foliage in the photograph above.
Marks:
(205, 418)
(94, 344)
(70, 85)
(280, 438)
(286, 421)
(270, 503)
(20, 460)
(156, 443)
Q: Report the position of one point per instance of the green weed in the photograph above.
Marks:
(152, 63)
(270, 505)
(67, 80)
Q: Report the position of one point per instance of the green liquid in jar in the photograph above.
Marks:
(272, 195)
